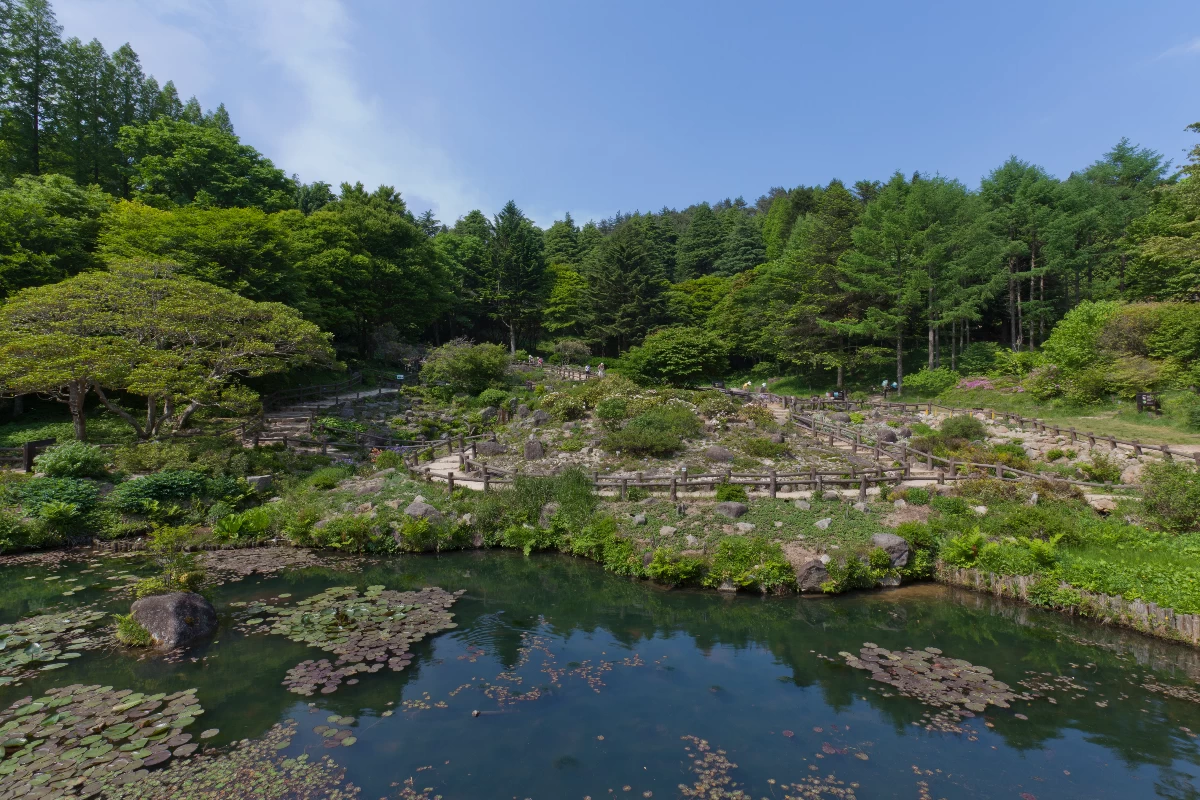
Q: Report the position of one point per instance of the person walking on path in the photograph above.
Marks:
(587, 371)
(600, 369)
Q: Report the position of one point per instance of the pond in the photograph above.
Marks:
(591, 685)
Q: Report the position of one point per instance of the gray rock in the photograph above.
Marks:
(547, 514)
(523, 411)
(803, 505)
(888, 580)
(667, 530)
(489, 414)
(777, 438)
(1033, 500)
(727, 586)
(900, 504)
(467, 519)
(539, 417)
(861, 506)
(811, 575)
(840, 416)
(905, 433)
(261, 483)
(896, 548)
(980, 510)
(489, 448)
(534, 450)
(647, 558)
(422, 510)
(886, 435)
(639, 519)
(823, 524)
(372, 486)
(731, 509)
(346, 412)
(717, 453)
(745, 527)
(778, 523)
(692, 541)
(175, 619)
(568, 426)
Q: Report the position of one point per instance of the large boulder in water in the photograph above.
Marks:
(811, 575)
(175, 619)
(896, 547)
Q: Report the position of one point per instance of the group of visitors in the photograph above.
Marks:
(587, 370)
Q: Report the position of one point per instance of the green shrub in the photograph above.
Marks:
(1171, 495)
(712, 404)
(761, 447)
(248, 525)
(328, 477)
(849, 573)
(978, 358)
(643, 441)
(131, 633)
(674, 569)
(565, 407)
(389, 459)
(73, 460)
(635, 494)
(677, 356)
(460, 366)
(612, 411)
(731, 493)
(600, 541)
(1102, 469)
(933, 381)
(1193, 417)
(878, 559)
(963, 427)
(172, 486)
(33, 494)
(493, 397)
(750, 561)
(16, 534)
(917, 496)
(152, 457)
(857, 417)
(59, 515)
(964, 550)
(1054, 454)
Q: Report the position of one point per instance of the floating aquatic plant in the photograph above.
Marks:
(45, 642)
(365, 631)
(84, 740)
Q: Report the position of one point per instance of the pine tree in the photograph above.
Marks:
(32, 75)
(562, 242)
(625, 289)
(777, 226)
(700, 245)
(589, 239)
(823, 234)
(475, 224)
(517, 277)
(220, 120)
(743, 247)
(167, 104)
(85, 103)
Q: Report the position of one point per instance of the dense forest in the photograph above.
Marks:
(102, 164)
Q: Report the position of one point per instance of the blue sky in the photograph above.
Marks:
(598, 107)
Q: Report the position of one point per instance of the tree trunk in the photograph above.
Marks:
(954, 345)
(841, 367)
(512, 339)
(76, 395)
(1121, 275)
(899, 361)
(1012, 308)
(151, 413)
(186, 416)
(120, 412)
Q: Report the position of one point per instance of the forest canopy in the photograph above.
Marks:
(100, 165)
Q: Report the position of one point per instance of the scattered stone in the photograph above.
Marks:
(745, 527)
(886, 435)
(905, 433)
(1132, 474)
(546, 515)
(523, 411)
(365, 508)
(840, 416)
(393, 503)
(980, 510)
(261, 483)
(175, 619)
(667, 530)
(1033, 500)
(534, 449)
(539, 417)
(778, 523)
(900, 504)
(823, 524)
(776, 438)
(639, 519)
(731, 509)
(419, 509)
(727, 586)
(692, 541)
(1105, 505)
(717, 453)
(467, 520)
(488, 414)
(490, 448)
(803, 505)
(863, 507)
(895, 546)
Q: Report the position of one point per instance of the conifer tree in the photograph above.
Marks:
(516, 286)
(625, 289)
(700, 245)
(32, 85)
(562, 242)
(743, 247)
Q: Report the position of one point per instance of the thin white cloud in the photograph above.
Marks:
(287, 70)
(1188, 49)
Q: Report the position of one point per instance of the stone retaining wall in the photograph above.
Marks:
(1146, 617)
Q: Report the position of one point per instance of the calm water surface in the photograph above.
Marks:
(587, 684)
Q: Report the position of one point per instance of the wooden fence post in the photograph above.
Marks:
(486, 479)
(941, 477)
(773, 485)
(674, 494)
(862, 489)
(450, 481)
(624, 488)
